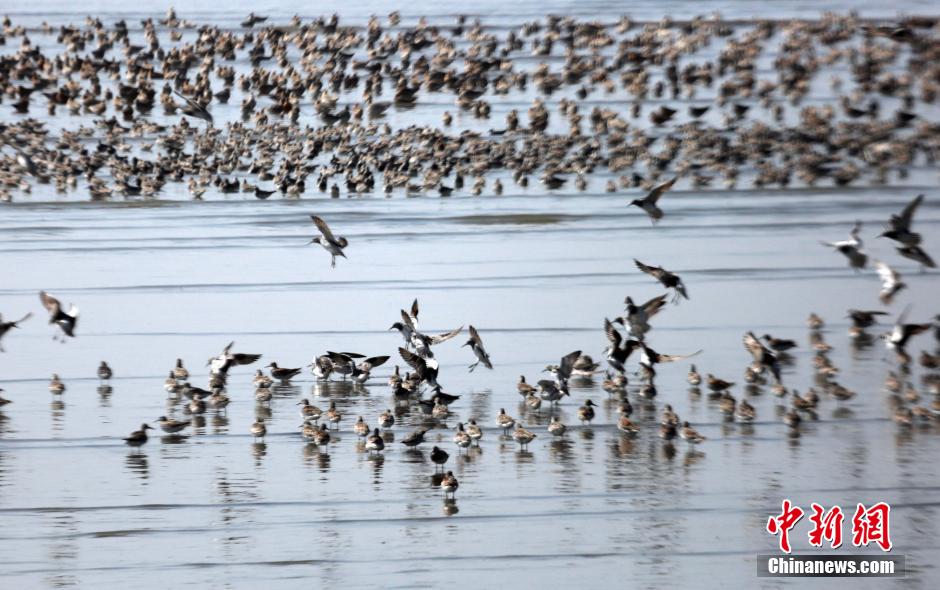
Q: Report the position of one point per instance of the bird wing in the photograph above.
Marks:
(754, 346)
(24, 318)
(323, 227)
(446, 336)
(903, 221)
(567, 363)
(339, 358)
(226, 350)
(416, 362)
(354, 355)
(669, 358)
(903, 316)
(245, 359)
(654, 271)
(889, 276)
(654, 305)
(190, 102)
(612, 334)
(51, 304)
(406, 319)
(476, 337)
(658, 191)
(414, 309)
(375, 361)
(855, 231)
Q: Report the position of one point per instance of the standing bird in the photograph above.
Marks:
(375, 443)
(104, 372)
(851, 248)
(258, 430)
(283, 374)
(476, 344)
(890, 282)
(138, 438)
(690, 434)
(65, 321)
(332, 244)
(666, 278)
(649, 203)
(449, 484)
(7, 326)
(586, 412)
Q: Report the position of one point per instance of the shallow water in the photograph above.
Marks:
(536, 274)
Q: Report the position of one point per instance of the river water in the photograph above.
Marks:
(536, 273)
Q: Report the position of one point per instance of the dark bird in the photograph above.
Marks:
(763, 356)
(332, 244)
(252, 20)
(899, 336)
(476, 344)
(414, 438)
(619, 350)
(7, 326)
(282, 374)
(65, 321)
(221, 364)
(864, 318)
(138, 437)
(439, 456)
(425, 369)
(899, 226)
(666, 278)
(649, 202)
(917, 254)
(779, 344)
(638, 316)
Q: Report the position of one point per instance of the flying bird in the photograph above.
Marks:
(902, 332)
(890, 282)
(899, 226)
(476, 344)
(220, 364)
(666, 278)
(194, 109)
(851, 248)
(764, 358)
(65, 320)
(619, 350)
(425, 369)
(7, 326)
(649, 203)
(332, 244)
(638, 316)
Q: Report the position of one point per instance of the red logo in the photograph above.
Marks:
(783, 522)
(869, 525)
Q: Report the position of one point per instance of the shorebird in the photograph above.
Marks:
(851, 248)
(779, 344)
(7, 326)
(814, 322)
(524, 388)
(891, 282)
(898, 338)
(690, 434)
(638, 316)
(745, 411)
(362, 371)
(618, 349)
(260, 380)
(321, 437)
(332, 244)
(226, 359)
(361, 428)
(693, 377)
(650, 358)
(449, 485)
(764, 358)
(476, 345)
(417, 341)
(917, 254)
(586, 412)
(504, 421)
(283, 374)
(474, 431)
(104, 372)
(194, 109)
(138, 438)
(425, 369)
(179, 372)
(386, 419)
(375, 443)
(258, 430)
(523, 436)
(649, 203)
(556, 428)
(462, 437)
(415, 437)
(715, 384)
(171, 385)
(624, 424)
(333, 416)
(65, 320)
(171, 426)
(666, 278)
(899, 226)
(56, 386)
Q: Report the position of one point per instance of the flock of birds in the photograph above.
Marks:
(318, 63)
(420, 387)
(311, 111)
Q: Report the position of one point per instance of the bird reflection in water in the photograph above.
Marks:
(450, 507)
(220, 423)
(199, 424)
(104, 395)
(138, 464)
(58, 414)
(259, 450)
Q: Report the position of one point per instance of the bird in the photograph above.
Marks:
(171, 426)
(524, 388)
(523, 436)
(715, 384)
(864, 318)
(764, 357)
(138, 438)
(618, 350)
(851, 248)
(425, 369)
(556, 428)
(333, 416)
(65, 320)
(419, 342)
(902, 332)
(335, 245)
(258, 430)
(386, 419)
(283, 374)
(226, 359)
(7, 326)
(638, 316)
(891, 282)
(56, 386)
(194, 109)
(649, 357)
(917, 254)
(586, 412)
(624, 424)
(690, 434)
(649, 203)
(476, 345)
(666, 278)
(779, 344)
(693, 378)
(899, 226)
(462, 437)
(104, 372)
(449, 484)
(375, 443)
(474, 431)
(362, 370)
(179, 371)
(361, 428)
(414, 438)
(504, 420)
